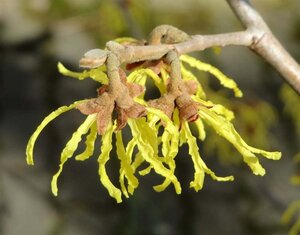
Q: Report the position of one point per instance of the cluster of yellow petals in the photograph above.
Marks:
(148, 144)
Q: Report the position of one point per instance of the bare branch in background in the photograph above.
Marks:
(265, 43)
(257, 36)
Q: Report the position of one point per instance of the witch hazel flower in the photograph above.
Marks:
(158, 127)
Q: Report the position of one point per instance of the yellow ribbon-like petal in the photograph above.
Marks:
(199, 165)
(224, 128)
(139, 75)
(70, 148)
(200, 127)
(217, 108)
(224, 80)
(143, 137)
(158, 82)
(96, 74)
(125, 169)
(44, 123)
(136, 76)
(106, 147)
(89, 143)
(170, 142)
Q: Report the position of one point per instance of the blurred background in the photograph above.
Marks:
(36, 34)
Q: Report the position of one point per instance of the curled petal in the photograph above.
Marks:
(96, 74)
(158, 82)
(169, 140)
(199, 165)
(106, 148)
(70, 148)
(144, 136)
(225, 128)
(126, 170)
(200, 129)
(89, 143)
(45, 122)
(224, 80)
(137, 76)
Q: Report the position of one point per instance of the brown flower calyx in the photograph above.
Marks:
(120, 101)
(178, 96)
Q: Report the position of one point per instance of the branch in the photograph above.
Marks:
(265, 43)
(257, 36)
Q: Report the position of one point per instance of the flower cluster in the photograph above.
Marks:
(158, 127)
